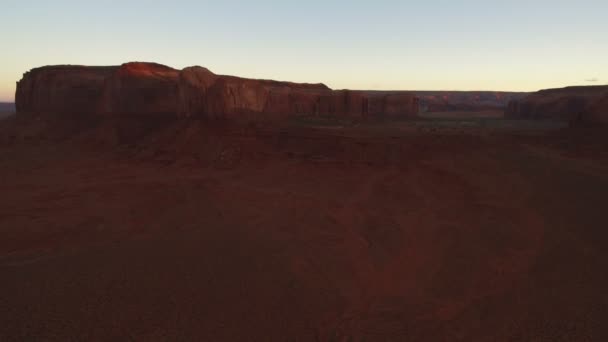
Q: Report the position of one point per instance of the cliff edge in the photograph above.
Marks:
(150, 89)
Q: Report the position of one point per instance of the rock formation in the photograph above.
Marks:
(465, 101)
(62, 89)
(141, 88)
(584, 104)
(193, 88)
(158, 90)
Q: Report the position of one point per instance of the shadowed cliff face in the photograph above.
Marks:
(143, 88)
(577, 104)
(62, 89)
(154, 89)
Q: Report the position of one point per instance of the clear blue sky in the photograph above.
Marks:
(462, 45)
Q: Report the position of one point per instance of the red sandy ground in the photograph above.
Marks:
(465, 236)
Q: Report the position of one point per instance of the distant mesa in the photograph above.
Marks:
(157, 90)
(7, 107)
(580, 104)
(465, 101)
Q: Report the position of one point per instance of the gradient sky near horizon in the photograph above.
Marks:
(401, 45)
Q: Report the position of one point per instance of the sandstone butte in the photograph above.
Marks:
(581, 104)
(156, 90)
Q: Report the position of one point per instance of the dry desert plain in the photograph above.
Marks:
(416, 230)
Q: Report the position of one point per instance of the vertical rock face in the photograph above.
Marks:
(456, 101)
(61, 89)
(205, 94)
(576, 104)
(392, 104)
(157, 90)
(231, 97)
(141, 88)
(193, 88)
(343, 103)
(400, 104)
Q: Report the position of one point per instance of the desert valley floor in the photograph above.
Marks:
(425, 233)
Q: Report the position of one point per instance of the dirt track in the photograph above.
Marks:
(426, 237)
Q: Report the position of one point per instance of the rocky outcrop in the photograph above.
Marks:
(62, 89)
(157, 90)
(141, 88)
(398, 104)
(193, 89)
(585, 104)
(204, 94)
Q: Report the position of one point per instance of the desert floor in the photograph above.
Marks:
(420, 232)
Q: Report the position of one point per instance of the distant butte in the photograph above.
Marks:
(579, 105)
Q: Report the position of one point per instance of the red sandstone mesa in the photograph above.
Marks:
(62, 89)
(586, 104)
(141, 88)
(154, 89)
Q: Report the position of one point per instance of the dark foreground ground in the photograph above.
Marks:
(418, 233)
